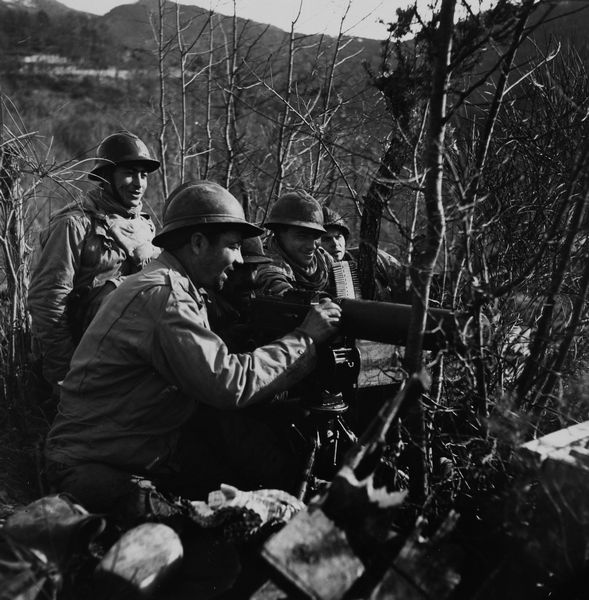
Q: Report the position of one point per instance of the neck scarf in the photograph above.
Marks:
(100, 201)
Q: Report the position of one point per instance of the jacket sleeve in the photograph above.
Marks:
(51, 283)
(199, 363)
(273, 280)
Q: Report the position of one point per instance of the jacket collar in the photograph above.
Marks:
(100, 203)
(168, 260)
(101, 200)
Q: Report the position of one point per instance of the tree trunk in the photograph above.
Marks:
(424, 260)
(374, 202)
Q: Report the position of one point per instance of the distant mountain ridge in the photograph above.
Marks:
(125, 35)
(51, 7)
(65, 67)
(75, 75)
(129, 28)
(130, 21)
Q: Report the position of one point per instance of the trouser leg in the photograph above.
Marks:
(126, 499)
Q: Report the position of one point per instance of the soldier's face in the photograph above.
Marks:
(299, 243)
(217, 258)
(129, 183)
(334, 242)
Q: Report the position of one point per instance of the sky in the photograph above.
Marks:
(317, 16)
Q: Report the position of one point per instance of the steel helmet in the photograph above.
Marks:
(120, 148)
(202, 203)
(252, 251)
(334, 219)
(297, 209)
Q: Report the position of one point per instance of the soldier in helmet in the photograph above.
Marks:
(130, 402)
(298, 262)
(88, 247)
(336, 234)
(389, 277)
(229, 309)
(270, 426)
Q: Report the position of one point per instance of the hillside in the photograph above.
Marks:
(74, 77)
(50, 7)
(125, 36)
(61, 67)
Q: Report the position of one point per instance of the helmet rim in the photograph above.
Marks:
(149, 164)
(120, 148)
(333, 219)
(179, 201)
(296, 209)
(292, 223)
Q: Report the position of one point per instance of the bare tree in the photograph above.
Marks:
(424, 260)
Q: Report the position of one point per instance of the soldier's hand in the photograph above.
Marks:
(322, 320)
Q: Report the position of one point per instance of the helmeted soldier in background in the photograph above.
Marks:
(229, 309)
(269, 426)
(88, 248)
(336, 235)
(129, 404)
(298, 262)
(389, 278)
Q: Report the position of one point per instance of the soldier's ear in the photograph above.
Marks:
(198, 241)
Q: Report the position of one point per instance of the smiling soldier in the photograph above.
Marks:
(88, 248)
(298, 261)
(129, 404)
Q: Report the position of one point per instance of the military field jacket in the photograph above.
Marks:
(145, 361)
(389, 277)
(84, 246)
